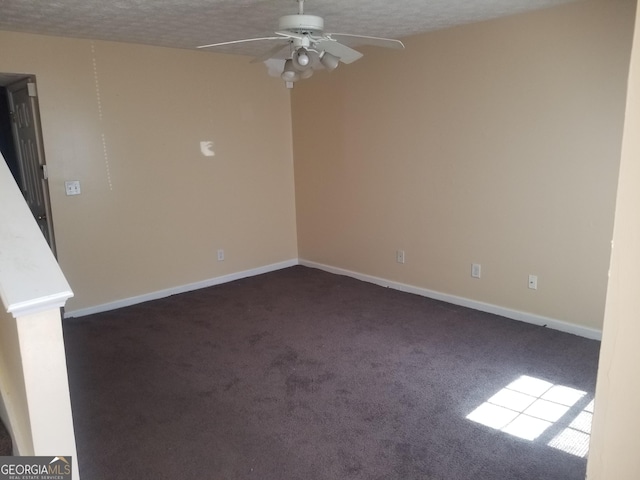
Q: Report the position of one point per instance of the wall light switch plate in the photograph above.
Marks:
(476, 270)
(72, 187)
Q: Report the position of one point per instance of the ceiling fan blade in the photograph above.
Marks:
(286, 34)
(271, 53)
(366, 40)
(344, 53)
(246, 40)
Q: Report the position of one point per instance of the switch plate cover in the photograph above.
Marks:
(475, 270)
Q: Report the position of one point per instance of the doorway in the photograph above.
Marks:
(21, 146)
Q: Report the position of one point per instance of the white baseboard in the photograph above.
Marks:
(179, 289)
(465, 302)
(453, 299)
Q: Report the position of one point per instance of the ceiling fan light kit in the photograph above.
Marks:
(306, 74)
(309, 47)
(330, 62)
(290, 74)
(301, 60)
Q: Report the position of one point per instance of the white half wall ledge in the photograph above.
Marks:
(105, 307)
(38, 305)
(531, 318)
(30, 278)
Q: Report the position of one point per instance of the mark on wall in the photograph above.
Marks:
(99, 101)
(206, 148)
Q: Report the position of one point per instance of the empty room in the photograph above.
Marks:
(401, 251)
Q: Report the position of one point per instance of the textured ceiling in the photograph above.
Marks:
(188, 23)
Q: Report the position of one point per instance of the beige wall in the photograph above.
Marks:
(127, 121)
(35, 405)
(496, 143)
(614, 446)
(14, 409)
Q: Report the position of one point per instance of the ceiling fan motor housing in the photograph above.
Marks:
(309, 24)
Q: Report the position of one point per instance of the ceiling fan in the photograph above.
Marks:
(309, 47)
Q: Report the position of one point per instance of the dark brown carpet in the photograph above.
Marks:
(6, 444)
(301, 374)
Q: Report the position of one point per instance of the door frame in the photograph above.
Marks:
(13, 82)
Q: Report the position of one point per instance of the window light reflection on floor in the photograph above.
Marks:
(575, 438)
(527, 407)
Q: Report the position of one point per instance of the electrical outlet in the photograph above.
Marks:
(476, 270)
(400, 256)
(72, 187)
(220, 254)
(533, 282)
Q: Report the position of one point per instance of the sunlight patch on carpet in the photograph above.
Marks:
(528, 407)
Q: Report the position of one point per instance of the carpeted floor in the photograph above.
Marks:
(301, 374)
(6, 444)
